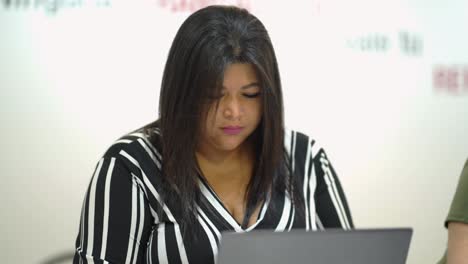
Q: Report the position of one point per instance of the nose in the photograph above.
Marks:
(232, 108)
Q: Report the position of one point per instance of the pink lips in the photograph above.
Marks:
(232, 130)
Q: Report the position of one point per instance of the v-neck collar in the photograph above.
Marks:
(218, 205)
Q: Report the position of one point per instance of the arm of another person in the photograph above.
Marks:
(457, 222)
(331, 205)
(115, 219)
(457, 251)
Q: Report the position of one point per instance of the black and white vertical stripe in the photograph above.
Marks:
(124, 219)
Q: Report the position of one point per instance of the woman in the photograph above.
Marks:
(217, 159)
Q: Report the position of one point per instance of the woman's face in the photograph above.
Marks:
(238, 113)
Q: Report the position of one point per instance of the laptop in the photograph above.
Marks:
(333, 246)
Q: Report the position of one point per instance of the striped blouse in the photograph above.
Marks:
(122, 220)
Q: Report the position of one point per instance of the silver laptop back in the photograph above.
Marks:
(333, 246)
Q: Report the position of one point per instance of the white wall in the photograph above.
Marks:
(74, 80)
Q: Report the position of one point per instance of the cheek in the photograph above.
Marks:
(258, 111)
(206, 121)
(210, 121)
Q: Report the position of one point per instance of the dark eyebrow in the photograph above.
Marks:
(250, 85)
(247, 86)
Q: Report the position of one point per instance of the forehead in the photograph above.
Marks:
(239, 74)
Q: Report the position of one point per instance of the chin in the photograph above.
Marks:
(230, 144)
(228, 147)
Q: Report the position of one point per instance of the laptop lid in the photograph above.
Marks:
(333, 246)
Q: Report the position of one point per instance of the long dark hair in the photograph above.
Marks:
(207, 42)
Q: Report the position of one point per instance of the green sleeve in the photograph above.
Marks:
(443, 260)
(459, 208)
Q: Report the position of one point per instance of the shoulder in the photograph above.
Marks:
(297, 142)
(301, 147)
(465, 170)
(137, 149)
(458, 211)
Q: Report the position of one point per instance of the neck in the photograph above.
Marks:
(227, 168)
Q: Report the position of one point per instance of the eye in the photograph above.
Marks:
(251, 95)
